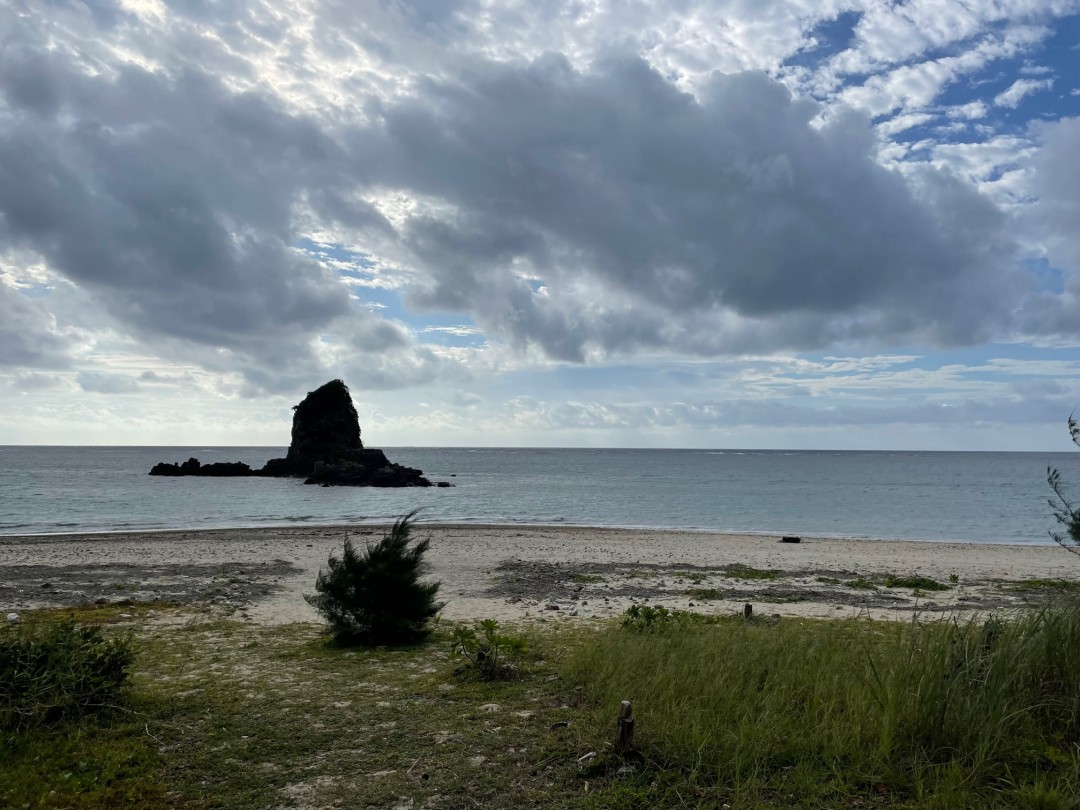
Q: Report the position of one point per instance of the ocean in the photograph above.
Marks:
(977, 497)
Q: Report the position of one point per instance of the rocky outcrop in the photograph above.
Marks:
(366, 468)
(325, 449)
(193, 467)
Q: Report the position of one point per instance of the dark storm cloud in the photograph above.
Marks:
(167, 197)
(675, 209)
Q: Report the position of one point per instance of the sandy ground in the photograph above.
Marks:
(517, 573)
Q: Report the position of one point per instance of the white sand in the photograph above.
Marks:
(466, 558)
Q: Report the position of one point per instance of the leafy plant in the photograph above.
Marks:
(1065, 512)
(491, 653)
(375, 596)
(652, 619)
(59, 672)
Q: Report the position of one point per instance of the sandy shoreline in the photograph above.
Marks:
(534, 572)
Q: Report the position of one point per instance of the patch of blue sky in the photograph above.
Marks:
(443, 328)
(981, 357)
(1047, 277)
(1057, 58)
(454, 330)
(830, 37)
(34, 290)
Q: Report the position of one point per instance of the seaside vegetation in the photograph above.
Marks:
(1065, 511)
(375, 596)
(796, 713)
(59, 671)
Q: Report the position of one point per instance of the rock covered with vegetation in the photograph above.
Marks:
(325, 449)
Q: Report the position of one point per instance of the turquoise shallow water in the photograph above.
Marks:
(980, 497)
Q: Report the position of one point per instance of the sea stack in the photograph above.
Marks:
(325, 449)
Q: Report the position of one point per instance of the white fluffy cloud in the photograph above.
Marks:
(1021, 89)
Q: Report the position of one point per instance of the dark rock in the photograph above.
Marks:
(325, 429)
(225, 468)
(444, 484)
(325, 450)
(790, 538)
(193, 467)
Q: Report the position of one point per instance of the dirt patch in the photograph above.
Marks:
(545, 583)
(228, 585)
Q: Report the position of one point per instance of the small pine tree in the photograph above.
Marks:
(1066, 513)
(375, 597)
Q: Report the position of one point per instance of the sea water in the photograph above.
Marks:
(979, 497)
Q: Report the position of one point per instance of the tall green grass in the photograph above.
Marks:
(812, 713)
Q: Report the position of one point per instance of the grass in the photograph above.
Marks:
(587, 579)
(738, 571)
(819, 714)
(862, 584)
(1063, 585)
(704, 594)
(228, 715)
(801, 713)
(916, 583)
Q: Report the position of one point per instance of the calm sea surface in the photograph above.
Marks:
(982, 497)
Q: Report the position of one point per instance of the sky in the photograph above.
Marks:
(849, 224)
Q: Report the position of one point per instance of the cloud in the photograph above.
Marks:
(102, 383)
(606, 210)
(29, 336)
(1019, 90)
(970, 111)
(1051, 224)
(577, 201)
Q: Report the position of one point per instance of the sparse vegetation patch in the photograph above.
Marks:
(739, 571)
(704, 594)
(916, 582)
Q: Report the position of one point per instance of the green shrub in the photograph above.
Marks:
(59, 672)
(375, 597)
(492, 654)
(653, 619)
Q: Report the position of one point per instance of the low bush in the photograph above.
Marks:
(491, 653)
(59, 672)
(375, 597)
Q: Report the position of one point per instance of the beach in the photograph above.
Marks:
(517, 573)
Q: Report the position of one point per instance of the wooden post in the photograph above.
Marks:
(624, 736)
(747, 611)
